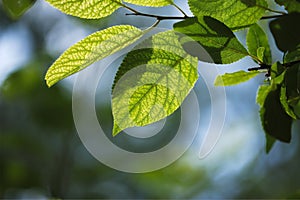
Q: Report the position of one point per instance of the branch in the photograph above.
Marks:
(272, 16)
(289, 64)
(268, 67)
(261, 67)
(158, 17)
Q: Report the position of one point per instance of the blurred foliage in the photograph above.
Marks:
(42, 157)
(16, 8)
(42, 154)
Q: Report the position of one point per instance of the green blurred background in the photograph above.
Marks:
(41, 155)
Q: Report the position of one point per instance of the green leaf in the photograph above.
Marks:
(235, 78)
(284, 103)
(292, 81)
(260, 53)
(290, 5)
(270, 141)
(285, 32)
(88, 9)
(277, 71)
(296, 109)
(257, 42)
(236, 14)
(152, 3)
(274, 119)
(91, 49)
(16, 8)
(292, 55)
(217, 39)
(292, 84)
(262, 94)
(152, 82)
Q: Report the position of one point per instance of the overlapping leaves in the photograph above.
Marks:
(275, 100)
(156, 76)
(217, 39)
(152, 82)
(236, 14)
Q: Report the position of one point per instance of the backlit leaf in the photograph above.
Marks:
(236, 14)
(152, 82)
(284, 103)
(277, 73)
(88, 9)
(260, 53)
(152, 3)
(256, 39)
(262, 93)
(217, 39)
(235, 78)
(91, 49)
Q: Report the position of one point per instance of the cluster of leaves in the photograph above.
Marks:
(212, 26)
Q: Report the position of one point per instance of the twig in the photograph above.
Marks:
(268, 67)
(272, 16)
(158, 17)
(289, 64)
(261, 67)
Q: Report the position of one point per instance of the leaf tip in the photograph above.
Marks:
(49, 83)
(116, 130)
(219, 81)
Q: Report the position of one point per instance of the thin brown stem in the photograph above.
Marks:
(272, 16)
(289, 64)
(158, 17)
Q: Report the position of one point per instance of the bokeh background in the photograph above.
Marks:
(41, 155)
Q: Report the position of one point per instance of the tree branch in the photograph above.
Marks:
(268, 67)
(272, 16)
(289, 64)
(261, 67)
(158, 17)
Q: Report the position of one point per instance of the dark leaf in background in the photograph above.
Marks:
(292, 83)
(274, 119)
(270, 141)
(290, 5)
(286, 31)
(292, 55)
(50, 108)
(16, 8)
